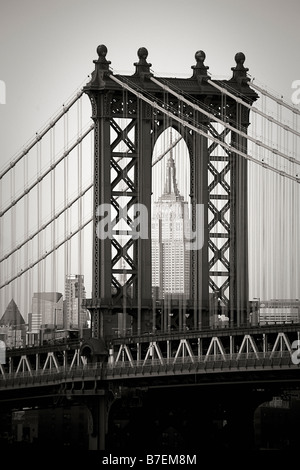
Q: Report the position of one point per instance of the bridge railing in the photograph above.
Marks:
(101, 371)
(210, 364)
(238, 358)
(55, 375)
(119, 337)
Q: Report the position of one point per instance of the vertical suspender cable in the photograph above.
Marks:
(42, 234)
(154, 260)
(297, 209)
(254, 236)
(265, 244)
(40, 313)
(281, 255)
(3, 264)
(92, 138)
(295, 220)
(81, 232)
(66, 214)
(292, 239)
(124, 277)
(26, 232)
(29, 247)
(189, 215)
(13, 231)
(139, 120)
(196, 282)
(241, 293)
(53, 225)
(285, 210)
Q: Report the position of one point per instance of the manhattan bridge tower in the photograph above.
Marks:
(130, 113)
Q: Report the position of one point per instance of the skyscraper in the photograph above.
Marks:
(47, 311)
(170, 232)
(12, 326)
(75, 315)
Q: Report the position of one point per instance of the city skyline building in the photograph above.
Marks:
(170, 231)
(12, 326)
(75, 315)
(12, 315)
(47, 311)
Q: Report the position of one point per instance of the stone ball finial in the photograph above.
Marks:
(101, 63)
(142, 67)
(142, 53)
(240, 58)
(239, 71)
(200, 70)
(200, 56)
(101, 50)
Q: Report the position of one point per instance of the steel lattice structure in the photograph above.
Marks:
(160, 343)
(128, 99)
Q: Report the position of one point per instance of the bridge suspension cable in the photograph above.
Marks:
(51, 168)
(164, 108)
(170, 147)
(48, 253)
(225, 124)
(46, 224)
(42, 133)
(254, 109)
(55, 215)
(184, 123)
(274, 98)
(40, 247)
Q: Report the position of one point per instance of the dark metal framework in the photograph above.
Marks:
(126, 129)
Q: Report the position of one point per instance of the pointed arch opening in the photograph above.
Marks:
(170, 230)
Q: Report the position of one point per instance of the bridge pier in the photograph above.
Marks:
(239, 430)
(100, 408)
(186, 419)
(99, 413)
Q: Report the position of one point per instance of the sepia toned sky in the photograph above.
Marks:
(47, 48)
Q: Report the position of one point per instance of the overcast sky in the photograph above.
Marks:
(47, 48)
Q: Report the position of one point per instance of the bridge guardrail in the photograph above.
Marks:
(243, 328)
(101, 371)
(258, 357)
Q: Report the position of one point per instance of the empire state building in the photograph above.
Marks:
(170, 230)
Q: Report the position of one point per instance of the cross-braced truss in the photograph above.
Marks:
(130, 113)
(219, 217)
(219, 346)
(124, 196)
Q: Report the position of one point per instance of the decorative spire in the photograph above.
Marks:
(102, 63)
(101, 67)
(240, 72)
(171, 183)
(171, 188)
(142, 67)
(200, 70)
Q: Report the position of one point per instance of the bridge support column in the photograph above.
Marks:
(240, 431)
(99, 412)
(240, 427)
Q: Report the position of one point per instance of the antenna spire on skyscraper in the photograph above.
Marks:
(171, 187)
